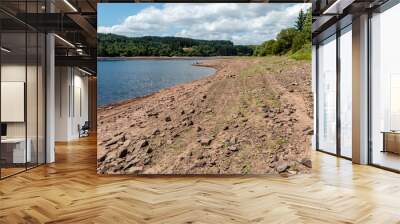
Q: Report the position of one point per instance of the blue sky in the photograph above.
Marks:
(116, 13)
(242, 23)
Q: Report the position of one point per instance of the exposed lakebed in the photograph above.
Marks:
(120, 80)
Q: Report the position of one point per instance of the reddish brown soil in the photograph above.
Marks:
(252, 117)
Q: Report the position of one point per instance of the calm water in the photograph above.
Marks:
(126, 79)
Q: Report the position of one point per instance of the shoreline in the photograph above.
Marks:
(122, 102)
(162, 58)
(240, 120)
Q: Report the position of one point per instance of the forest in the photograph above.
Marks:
(294, 42)
(115, 45)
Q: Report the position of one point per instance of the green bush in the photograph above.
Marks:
(303, 54)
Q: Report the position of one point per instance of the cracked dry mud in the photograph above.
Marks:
(254, 116)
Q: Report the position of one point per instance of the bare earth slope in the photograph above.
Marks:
(252, 117)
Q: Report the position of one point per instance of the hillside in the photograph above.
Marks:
(111, 45)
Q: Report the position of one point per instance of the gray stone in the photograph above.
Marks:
(282, 168)
(233, 140)
(306, 162)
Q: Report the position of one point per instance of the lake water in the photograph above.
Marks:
(125, 79)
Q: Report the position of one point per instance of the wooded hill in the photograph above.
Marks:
(111, 45)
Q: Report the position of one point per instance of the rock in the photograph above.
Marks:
(233, 140)
(117, 134)
(192, 111)
(115, 140)
(200, 163)
(134, 170)
(198, 129)
(122, 153)
(209, 110)
(306, 162)
(142, 143)
(245, 120)
(282, 168)
(182, 112)
(308, 131)
(204, 96)
(152, 114)
(226, 127)
(156, 131)
(102, 158)
(167, 118)
(233, 148)
(169, 142)
(149, 150)
(126, 144)
(205, 141)
(147, 160)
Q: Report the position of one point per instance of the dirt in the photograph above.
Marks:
(254, 116)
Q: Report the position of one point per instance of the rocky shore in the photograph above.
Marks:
(254, 116)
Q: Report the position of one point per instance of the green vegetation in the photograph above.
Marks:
(303, 54)
(111, 45)
(294, 42)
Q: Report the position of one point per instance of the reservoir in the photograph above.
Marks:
(126, 79)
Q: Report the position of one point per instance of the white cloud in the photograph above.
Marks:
(242, 23)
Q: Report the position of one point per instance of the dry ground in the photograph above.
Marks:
(254, 116)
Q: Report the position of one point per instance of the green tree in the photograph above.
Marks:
(301, 18)
(285, 40)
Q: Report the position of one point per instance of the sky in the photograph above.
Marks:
(242, 23)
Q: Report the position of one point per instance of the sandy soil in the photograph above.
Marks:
(254, 116)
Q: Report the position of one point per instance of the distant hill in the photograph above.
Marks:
(111, 45)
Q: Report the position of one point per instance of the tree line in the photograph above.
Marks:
(294, 41)
(110, 45)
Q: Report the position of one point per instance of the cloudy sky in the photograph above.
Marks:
(242, 23)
